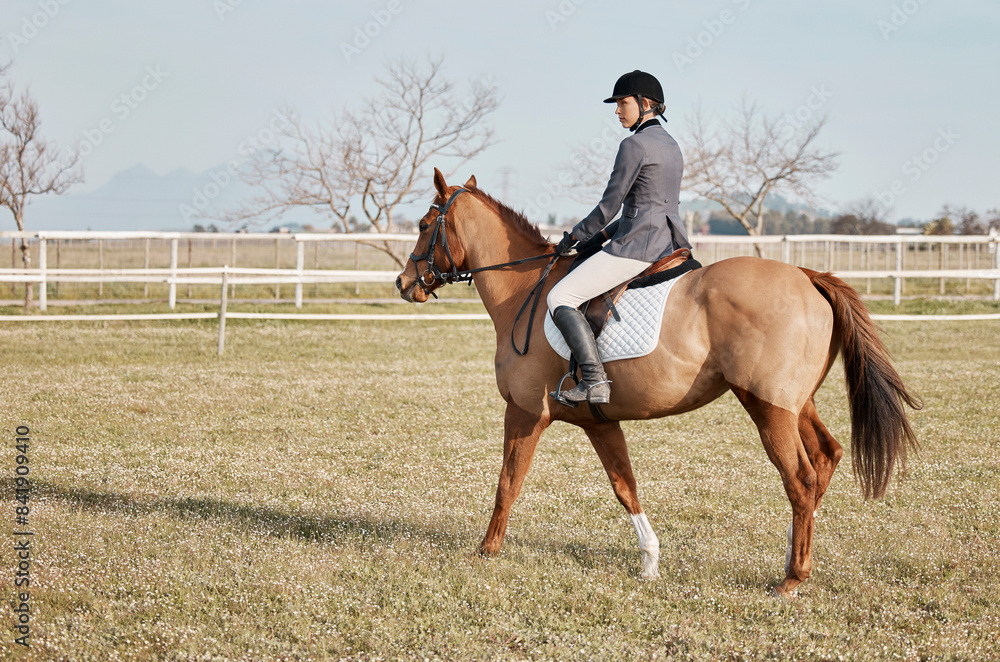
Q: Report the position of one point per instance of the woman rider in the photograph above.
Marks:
(646, 179)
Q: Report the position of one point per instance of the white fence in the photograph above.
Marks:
(824, 252)
(224, 314)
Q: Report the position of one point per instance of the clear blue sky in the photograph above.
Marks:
(899, 79)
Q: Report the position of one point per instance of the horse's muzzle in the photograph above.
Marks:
(410, 291)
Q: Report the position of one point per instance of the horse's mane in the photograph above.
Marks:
(512, 218)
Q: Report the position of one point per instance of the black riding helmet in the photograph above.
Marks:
(640, 85)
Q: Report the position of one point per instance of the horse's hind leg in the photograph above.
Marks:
(521, 432)
(779, 432)
(609, 442)
(823, 450)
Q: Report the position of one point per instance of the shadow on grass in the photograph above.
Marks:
(257, 520)
(359, 529)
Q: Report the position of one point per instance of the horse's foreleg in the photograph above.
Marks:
(609, 442)
(779, 432)
(521, 432)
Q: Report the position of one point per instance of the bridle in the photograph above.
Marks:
(433, 274)
(432, 270)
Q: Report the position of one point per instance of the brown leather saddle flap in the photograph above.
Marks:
(598, 310)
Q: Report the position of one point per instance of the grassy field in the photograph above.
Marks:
(316, 493)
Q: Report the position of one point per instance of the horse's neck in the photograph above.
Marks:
(496, 243)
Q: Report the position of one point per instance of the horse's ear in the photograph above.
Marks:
(471, 183)
(439, 184)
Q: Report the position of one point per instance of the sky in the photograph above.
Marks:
(906, 84)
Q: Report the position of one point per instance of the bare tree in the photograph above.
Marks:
(865, 216)
(29, 165)
(308, 170)
(965, 220)
(739, 162)
(586, 174)
(375, 156)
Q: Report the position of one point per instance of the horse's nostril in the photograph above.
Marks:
(399, 283)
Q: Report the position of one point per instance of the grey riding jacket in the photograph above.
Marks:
(645, 184)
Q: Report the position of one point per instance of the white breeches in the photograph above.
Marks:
(601, 272)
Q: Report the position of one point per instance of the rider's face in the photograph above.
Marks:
(627, 111)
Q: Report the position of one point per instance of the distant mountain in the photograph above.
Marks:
(140, 199)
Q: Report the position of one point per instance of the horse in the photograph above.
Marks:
(767, 331)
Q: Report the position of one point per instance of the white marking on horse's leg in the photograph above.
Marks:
(649, 544)
(788, 553)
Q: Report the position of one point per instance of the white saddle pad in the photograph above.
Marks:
(636, 335)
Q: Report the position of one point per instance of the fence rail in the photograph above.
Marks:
(864, 254)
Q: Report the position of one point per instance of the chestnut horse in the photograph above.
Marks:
(767, 331)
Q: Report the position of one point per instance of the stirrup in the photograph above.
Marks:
(560, 395)
(557, 395)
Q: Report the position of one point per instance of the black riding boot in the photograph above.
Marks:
(594, 386)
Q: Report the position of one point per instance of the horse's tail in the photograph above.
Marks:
(880, 431)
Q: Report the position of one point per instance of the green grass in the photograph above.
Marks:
(316, 493)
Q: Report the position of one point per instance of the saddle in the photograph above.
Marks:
(601, 308)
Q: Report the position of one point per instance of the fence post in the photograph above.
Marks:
(173, 274)
(300, 262)
(277, 265)
(996, 265)
(316, 267)
(898, 289)
(868, 281)
(232, 288)
(786, 250)
(58, 263)
(223, 303)
(43, 286)
(942, 264)
(100, 265)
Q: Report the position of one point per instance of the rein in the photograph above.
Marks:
(433, 274)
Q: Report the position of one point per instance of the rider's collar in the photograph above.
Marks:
(648, 123)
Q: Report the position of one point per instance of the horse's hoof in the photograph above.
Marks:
(649, 576)
(787, 596)
(484, 553)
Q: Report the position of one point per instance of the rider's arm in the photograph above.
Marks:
(627, 164)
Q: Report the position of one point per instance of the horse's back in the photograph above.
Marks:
(759, 325)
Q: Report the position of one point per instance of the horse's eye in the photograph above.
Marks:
(423, 226)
